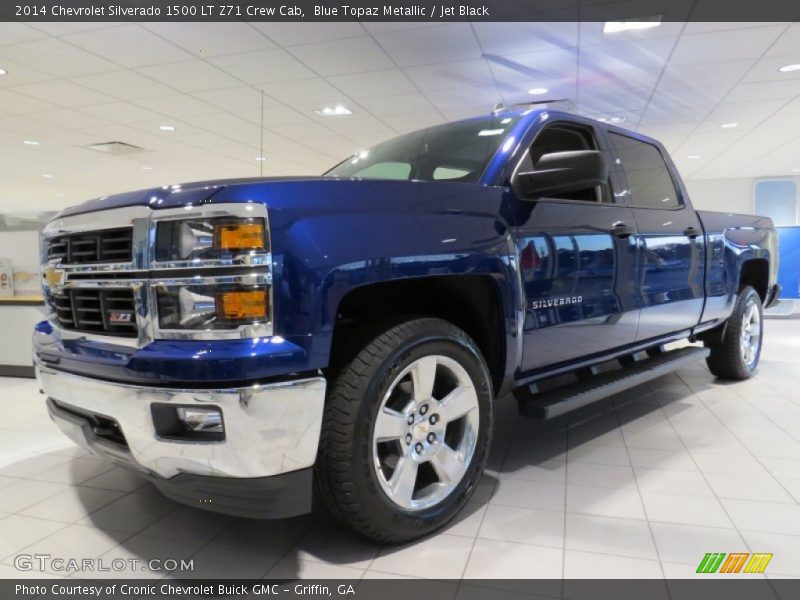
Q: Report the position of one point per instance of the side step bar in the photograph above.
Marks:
(586, 390)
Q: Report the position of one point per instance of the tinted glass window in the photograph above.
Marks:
(454, 152)
(648, 177)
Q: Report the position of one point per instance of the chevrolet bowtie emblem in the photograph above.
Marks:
(54, 277)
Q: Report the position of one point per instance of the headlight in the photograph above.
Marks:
(223, 306)
(215, 238)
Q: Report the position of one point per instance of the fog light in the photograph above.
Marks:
(188, 423)
(201, 419)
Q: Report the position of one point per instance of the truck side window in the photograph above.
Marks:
(649, 180)
(563, 137)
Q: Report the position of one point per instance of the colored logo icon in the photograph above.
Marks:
(735, 562)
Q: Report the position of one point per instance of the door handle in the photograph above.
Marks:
(691, 232)
(621, 230)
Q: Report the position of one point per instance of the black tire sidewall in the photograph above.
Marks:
(373, 500)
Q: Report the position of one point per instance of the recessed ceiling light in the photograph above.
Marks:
(790, 68)
(147, 168)
(48, 175)
(729, 125)
(30, 142)
(538, 91)
(335, 111)
(3, 72)
(693, 156)
(795, 170)
(261, 158)
(632, 24)
(167, 127)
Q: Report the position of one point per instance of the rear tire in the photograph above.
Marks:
(737, 354)
(406, 431)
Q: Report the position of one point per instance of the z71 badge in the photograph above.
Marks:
(120, 317)
(554, 302)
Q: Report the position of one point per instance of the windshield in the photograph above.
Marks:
(455, 152)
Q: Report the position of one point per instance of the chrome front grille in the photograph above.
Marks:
(109, 311)
(107, 246)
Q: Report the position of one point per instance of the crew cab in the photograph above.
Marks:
(241, 343)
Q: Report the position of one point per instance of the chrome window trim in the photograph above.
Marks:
(144, 221)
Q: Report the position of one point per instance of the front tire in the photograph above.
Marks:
(737, 354)
(406, 431)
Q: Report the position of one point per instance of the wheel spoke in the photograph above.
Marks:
(458, 403)
(404, 479)
(448, 465)
(423, 376)
(390, 425)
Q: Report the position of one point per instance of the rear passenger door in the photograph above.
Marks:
(577, 260)
(669, 239)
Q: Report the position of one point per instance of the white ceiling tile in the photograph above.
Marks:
(61, 28)
(234, 98)
(788, 44)
(524, 38)
(767, 69)
(338, 57)
(591, 31)
(177, 105)
(399, 104)
(119, 112)
(19, 74)
(263, 66)
(190, 76)
(309, 32)
(14, 33)
(312, 94)
(124, 84)
(723, 74)
(724, 45)
(70, 119)
(212, 38)
(765, 90)
(129, 45)
(62, 93)
(482, 98)
(56, 57)
(374, 83)
(18, 104)
(446, 43)
(448, 76)
(536, 67)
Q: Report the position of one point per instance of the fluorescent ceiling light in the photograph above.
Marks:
(335, 111)
(729, 125)
(147, 168)
(693, 156)
(30, 142)
(538, 91)
(261, 158)
(790, 68)
(48, 175)
(167, 127)
(3, 72)
(632, 24)
(795, 170)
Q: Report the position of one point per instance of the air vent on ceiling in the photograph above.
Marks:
(115, 148)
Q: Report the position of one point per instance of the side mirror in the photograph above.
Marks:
(562, 172)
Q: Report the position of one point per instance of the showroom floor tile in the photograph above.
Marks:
(643, 483)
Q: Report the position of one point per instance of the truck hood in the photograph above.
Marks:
(173, 196)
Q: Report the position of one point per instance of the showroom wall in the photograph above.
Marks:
(728, 195)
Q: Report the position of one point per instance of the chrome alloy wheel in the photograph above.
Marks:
(750, 340)
(425, 432)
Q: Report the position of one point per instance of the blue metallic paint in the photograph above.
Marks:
(332, 236)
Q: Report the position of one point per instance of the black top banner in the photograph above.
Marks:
(441, 11)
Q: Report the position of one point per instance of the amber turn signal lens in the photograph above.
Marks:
(250, 305)
(239, 236)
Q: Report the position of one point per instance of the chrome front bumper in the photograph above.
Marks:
(269, 429)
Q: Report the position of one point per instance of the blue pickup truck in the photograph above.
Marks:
(248, 345)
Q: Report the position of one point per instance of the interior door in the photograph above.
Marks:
(577, 256)
(669, 239)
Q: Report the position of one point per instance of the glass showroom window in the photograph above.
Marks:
(776, 199)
